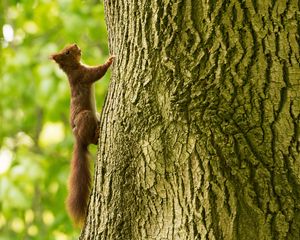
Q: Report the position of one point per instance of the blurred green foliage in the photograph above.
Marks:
(35, 137)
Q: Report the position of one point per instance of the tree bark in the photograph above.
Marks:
(200, 132)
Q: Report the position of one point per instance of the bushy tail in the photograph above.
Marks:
(79, 184)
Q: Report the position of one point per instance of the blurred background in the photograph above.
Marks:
(35, 137)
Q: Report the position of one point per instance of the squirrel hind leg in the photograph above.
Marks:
(96, 136)
(86, 127)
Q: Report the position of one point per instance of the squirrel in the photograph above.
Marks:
(84, 121)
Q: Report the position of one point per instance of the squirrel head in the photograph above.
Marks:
(68, 57)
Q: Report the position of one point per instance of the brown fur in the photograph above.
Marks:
(84, 123)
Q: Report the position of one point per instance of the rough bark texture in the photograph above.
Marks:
(200, 130)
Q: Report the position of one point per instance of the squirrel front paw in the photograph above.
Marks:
(110, 60)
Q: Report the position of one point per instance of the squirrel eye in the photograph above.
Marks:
(68, 52)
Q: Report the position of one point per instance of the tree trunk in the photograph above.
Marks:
(200, 132)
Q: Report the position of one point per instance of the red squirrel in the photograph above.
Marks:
(84, 122)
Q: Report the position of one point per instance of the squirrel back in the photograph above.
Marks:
(79, 183)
